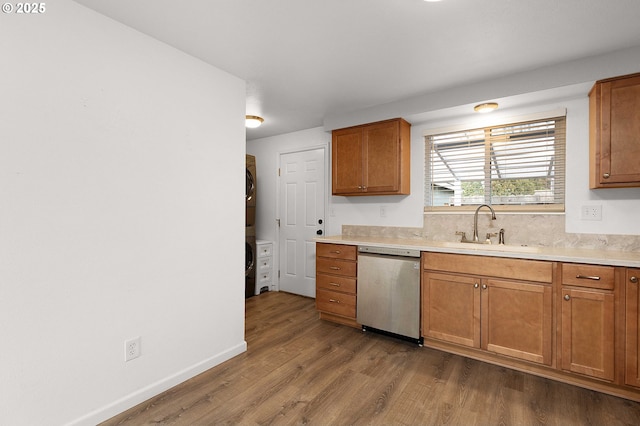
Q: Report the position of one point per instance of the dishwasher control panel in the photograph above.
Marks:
(389, 251)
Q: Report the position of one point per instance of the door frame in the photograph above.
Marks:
(276, 248)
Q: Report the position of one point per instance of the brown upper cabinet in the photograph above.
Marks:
(614, 132)
(372, 159)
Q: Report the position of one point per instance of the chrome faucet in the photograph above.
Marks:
(475, 220)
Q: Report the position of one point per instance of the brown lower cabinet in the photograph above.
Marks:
(576, 323)
(632, 327)
(587, 313)
(500, 315)
(572, 322)
(336, 278)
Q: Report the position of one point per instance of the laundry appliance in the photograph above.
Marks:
(250, 193)
(250, 261)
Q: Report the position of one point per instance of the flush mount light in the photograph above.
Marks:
(486, 107)
(253, 121)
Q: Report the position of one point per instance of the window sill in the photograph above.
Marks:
(529, 209)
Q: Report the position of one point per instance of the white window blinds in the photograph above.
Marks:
(514, 164)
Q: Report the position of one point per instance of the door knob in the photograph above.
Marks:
(319, 232)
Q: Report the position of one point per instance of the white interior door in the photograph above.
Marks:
(302, 195)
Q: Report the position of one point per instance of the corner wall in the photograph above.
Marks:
(121, 216)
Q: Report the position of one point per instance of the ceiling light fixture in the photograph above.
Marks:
(253, 121)
(486, 107)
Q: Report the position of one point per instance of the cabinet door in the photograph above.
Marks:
(588, 332)
(451, 308)
(617, 127)
(381, 157)
(632, 326)
(517, 319)
(346, 161)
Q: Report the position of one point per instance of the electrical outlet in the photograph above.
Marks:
(383, 211)
(132, 349)
(591, 213)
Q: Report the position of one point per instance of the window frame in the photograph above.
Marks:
(503, 122)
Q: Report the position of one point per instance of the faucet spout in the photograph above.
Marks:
(475, 220)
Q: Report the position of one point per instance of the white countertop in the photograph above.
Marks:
(559, 254)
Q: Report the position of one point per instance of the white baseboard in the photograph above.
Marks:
(156, 388)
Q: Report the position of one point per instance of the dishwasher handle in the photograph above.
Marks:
(389, 251)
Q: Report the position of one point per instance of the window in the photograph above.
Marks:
(519, 164)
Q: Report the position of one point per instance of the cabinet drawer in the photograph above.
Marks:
(334, 266)
(335, 302)
(265, 250)
(335, 283)
(265, 264)
(336, 251)
(264, 279)
(592, 276)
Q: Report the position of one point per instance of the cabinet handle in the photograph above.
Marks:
(633, 279)
(567, 297)
(334, 301)
(588, 277)
(335, 268)
(335, 251)
(476, 285)
(359, 186)
(484, 286)
(335, 284)
(606, 175)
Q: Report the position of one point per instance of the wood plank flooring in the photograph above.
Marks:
(301, 370)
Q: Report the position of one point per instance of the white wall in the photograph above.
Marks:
(267, 152)
(619, 206)
(121, 215)
(400, 210)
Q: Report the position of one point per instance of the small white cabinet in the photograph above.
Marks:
(264, 270)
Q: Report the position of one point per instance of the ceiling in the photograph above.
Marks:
(303, 60)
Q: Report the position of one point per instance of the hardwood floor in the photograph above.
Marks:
(301, 370)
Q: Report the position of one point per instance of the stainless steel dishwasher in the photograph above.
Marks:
(389, 291)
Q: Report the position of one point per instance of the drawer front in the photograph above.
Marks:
(336, 251)
(265, 250)
(265, 264)
(264, 279)
(592, 276)
(336, 283)
(336, 303)
(337, 267)
(499, 267)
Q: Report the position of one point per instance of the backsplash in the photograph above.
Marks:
(545, 230)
